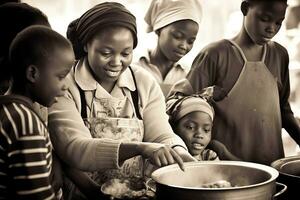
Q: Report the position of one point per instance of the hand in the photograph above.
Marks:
(160, 154)
(184, 154)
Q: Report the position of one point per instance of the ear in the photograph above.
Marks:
(32, 73)
(85, 48)
(245, 7)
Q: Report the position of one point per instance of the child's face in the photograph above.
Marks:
(110, 53)
(263, 20)
(177, 39)
(52, 76)
(195, 130)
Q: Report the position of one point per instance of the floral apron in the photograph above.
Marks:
(105, 121)
(248, 120)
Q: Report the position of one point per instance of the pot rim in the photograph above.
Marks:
(278, 164)
(270, 170)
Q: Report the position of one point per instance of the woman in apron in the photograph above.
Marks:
(176, 24)
(251, 81)
(112, 115)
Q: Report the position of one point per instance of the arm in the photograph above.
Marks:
(72, 139)
(85, 184)
(221, 150)
(31, 170)
(289, 123)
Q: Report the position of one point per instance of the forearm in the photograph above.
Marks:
(128, 150)
(291, 125)
(84, 183)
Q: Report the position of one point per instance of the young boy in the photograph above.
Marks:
(40, 59)
(252, 74)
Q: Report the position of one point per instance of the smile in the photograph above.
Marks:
(112, 73)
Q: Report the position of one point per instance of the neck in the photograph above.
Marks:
(158, 59)
(21, 90)
(244, 41)
(251, 50)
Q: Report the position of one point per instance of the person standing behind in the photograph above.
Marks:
(113, 115)
(14, 17)
(176, 23)
(40, 59)
(250, 76)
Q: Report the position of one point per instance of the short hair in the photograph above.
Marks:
(14, 17)
(34, 45)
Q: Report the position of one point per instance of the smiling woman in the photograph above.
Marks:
(108, 118)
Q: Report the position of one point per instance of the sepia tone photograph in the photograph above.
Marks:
(150, 99)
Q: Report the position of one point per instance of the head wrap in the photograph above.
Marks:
(81, 30)
(164, 12)
(177, 109)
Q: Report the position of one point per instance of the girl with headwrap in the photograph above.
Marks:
(191, 117)
(113, 115)
(176, 23)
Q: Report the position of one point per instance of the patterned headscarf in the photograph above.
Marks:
(164, 12)
(185, 105)
(81, 30)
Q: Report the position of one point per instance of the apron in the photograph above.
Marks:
(248, 120)
(104, 121)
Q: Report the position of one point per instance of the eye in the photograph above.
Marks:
(126, 54)
(105, 53)
(191, 41)
(265, 18)
(177, 35)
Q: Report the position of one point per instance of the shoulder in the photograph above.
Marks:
(20, 120)
(217, 47)
(277, 48)
(215, 51)
(142, 76)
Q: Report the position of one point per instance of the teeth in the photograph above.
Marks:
(197, 146)
(111, 73)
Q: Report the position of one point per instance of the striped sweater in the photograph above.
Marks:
(25, 152)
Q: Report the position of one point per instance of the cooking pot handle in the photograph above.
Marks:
(282, 188)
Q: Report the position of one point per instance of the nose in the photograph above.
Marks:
(199, 134)
(271, 28)
(116, 60)
(183, 45)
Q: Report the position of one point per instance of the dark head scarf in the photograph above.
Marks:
(81, 30)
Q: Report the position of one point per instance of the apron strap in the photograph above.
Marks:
(243, 55)
(82, 98)
(135, 96)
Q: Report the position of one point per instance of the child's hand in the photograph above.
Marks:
(160, 154)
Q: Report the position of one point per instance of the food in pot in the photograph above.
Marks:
(119, 188)
(217, 184)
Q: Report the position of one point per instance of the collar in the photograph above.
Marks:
(146, 58)
(86, 81)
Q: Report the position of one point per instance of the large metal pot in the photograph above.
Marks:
(289, 174)
(251, 181)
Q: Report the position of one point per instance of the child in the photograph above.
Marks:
(20, 15)
(176, 23)
(108, 118)
(191, 117)
(252, 75)
(40, 59)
